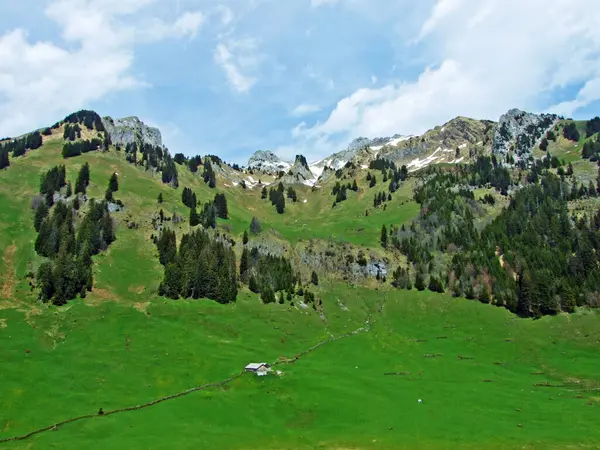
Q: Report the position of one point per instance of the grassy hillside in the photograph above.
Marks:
(82, 357)
(486, 378)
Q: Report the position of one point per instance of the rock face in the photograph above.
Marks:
(454, 142)
(300, 173)
(131, 129)
(268, 162)
(519, 131)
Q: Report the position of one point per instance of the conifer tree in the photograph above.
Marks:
(113, 183)
(419, 281)
(384, 237)
(160, 198)
(314, 278)
(41, 212)
(245, 238)
(255, 226)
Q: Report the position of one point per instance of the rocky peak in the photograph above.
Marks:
(359, 143)
(131, 129)
(267, 161)
(519, 131)
(301, 161)
(300, 173)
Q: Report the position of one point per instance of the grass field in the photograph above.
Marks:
(474, 366)
(111, 355)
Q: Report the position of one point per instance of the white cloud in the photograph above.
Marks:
(188, 24)
(305, 109)
(373, 79)
(42, 81)
(441, 10)
(236, 57)
(317, 3)
(492, 56)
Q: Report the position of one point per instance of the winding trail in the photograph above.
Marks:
(56, 425)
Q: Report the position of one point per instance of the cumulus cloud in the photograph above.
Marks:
(486, 57)
(40, 81)
(240, 60)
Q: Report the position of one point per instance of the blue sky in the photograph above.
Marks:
(296, 76)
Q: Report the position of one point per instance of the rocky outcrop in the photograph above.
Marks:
(299, 173)
(519, 131)
(131, 129)
(267, 162)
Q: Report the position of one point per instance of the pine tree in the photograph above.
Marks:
(160, 198)
(41, 212)
(220, 203)
(354, 186)
(253, 285)
(373, 181)
(113, 183)
(384, 237)
(244, 264)
(108, 195)
(83, 179)
(255, 226)
(570, 169)
(69, 190)
(263, 193)
(419, 281)
(267, 295)
(245, 238)
(314, 278)
(4, 160)
(45, 282)
(194, 218)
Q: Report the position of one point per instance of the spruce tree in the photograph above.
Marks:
(255, 226)
(160, 198)
(194, 218)
(244, 264)
(41, 212)
(384, 237)
(113, 183)
(263, 193)
(419, 281)
(245, 238)
(314, 278)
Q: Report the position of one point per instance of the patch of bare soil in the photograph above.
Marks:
(136, 289)
(141, 306)
(8, 280)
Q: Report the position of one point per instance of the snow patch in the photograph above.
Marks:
(447, 150)
(305, 201)
(462, 145)
(316, 171)
(443, 129)
(400, 139)
(363, 166)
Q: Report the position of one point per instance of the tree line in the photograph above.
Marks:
(18, 147)
(71, 149)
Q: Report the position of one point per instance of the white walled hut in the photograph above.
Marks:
(259, 369)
